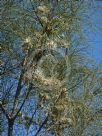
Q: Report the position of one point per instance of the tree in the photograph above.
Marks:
(48, 82)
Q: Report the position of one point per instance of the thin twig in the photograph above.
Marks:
(44, 122)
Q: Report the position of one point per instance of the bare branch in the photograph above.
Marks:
(29, 89)
(36, 13)
(18, 90)
(44, 122)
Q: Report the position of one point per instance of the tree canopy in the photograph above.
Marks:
(49, 84)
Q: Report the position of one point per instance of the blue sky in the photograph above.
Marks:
(96, 38)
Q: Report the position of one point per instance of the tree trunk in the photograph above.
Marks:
(10, 127)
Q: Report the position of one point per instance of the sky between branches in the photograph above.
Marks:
(96, 38)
